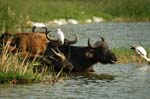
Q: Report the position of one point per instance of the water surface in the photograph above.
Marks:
(116, 34)
(132, 81)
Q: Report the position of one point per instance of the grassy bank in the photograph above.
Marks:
(15, 70)
(15, 13)
(126, 55)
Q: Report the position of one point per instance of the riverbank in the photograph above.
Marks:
(17, 70)
(14, 70)
(127, 56)
(16, 14)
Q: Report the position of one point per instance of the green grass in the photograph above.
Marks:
(132, 10)
(15, 13)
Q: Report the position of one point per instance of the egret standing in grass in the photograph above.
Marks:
(141, 51)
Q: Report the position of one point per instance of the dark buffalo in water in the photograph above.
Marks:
(84, 57)
(50, 57)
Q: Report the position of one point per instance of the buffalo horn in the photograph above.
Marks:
(89, 44)
(73, 41)
(46, 30)
(59, 54)
(102, 38)
(33, 29)
(50, 38)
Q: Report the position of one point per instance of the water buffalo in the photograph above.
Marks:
(58, 62)
(84, 57)
(31, 45)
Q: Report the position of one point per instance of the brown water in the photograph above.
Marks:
(132, 81)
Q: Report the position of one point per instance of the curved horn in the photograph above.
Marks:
(46, 30)
(33, 29)
(89, 44)
(59, 54)
(102, 38)
(68, 42)
(50, 38)
(54, 41)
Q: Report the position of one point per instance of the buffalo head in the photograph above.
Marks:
(58, 60)
(100, 52)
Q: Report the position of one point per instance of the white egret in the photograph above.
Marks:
(140, 51)
(60, 35)
(59, 40)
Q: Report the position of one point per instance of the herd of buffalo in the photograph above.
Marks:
(59, 53)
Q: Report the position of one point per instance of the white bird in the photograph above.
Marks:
(60, 35)
(140, 51)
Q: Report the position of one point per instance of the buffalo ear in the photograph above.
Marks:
(89, 54)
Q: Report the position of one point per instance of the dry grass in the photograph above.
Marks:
(15, 69)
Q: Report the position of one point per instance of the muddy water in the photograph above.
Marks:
(132, 81)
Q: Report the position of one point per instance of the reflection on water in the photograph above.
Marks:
(132, 81)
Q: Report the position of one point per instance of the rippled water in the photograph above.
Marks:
(116, 34)
(132, 81)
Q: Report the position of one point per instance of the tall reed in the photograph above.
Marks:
(13, 69)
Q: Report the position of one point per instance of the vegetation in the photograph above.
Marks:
(126, 55)
(14, 69)
(15, 13)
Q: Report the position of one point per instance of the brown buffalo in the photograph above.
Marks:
(28, 44)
